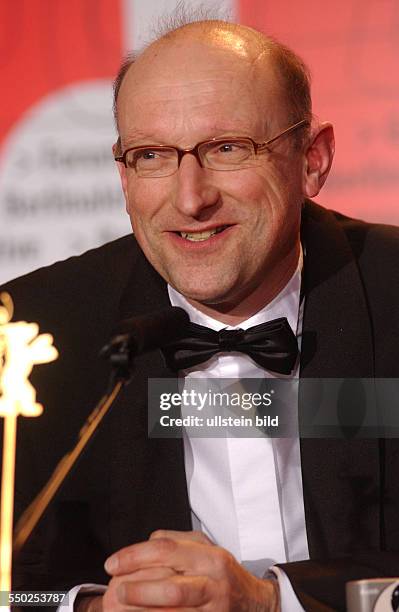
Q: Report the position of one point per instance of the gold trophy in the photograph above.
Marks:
(21, 347)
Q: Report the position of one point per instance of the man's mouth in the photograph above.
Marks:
(199, 236)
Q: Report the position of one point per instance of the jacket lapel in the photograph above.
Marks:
(340, 476)
(337, 329)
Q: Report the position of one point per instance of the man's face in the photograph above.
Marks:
(180, 94)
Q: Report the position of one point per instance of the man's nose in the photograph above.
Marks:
(194, 190)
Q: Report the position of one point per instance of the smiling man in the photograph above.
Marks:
(221, 222)
(218, 156)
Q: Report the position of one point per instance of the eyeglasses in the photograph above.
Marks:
(216, 154)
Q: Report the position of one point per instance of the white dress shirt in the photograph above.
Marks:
(246, 493)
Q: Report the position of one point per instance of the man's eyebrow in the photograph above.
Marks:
(138, 136)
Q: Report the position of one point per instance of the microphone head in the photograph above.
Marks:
(155, 330)
(148, 332)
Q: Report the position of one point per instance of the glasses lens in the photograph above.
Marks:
(152, 161)
(226, 154)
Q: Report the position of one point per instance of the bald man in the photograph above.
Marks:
(218, 156)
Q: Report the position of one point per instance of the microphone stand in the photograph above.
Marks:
(141, 334)
(121, 360)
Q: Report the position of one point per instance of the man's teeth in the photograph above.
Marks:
(197, 236)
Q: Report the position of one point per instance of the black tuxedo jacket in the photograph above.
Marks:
(126, 485)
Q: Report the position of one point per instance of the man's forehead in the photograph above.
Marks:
(219, 48)
(203, 109)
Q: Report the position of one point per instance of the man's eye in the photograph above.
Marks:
(228, 147)
(141, 156)
(229, 152)
(146, 154)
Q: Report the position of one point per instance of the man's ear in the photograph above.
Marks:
(318, 159)
(122, 174)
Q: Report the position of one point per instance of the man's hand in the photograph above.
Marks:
(184, 571)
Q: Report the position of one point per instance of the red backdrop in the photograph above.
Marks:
(47, 44)
(352, 48)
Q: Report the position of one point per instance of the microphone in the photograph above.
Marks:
(144, 333)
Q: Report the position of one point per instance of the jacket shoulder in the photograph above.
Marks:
(382, 239)
(365, 239)
(100, 271)
(375, 246)
(96, 261)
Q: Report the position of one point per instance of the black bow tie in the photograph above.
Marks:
(272, 345)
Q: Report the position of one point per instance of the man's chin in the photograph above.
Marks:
(210, 296)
